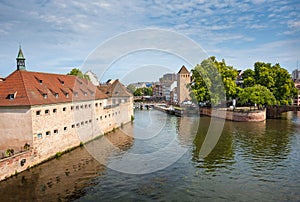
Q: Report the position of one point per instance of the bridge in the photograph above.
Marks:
(275, 111)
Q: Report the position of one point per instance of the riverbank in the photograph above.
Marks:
(238, 115)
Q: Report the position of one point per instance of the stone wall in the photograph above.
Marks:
(15, 128)
(250, 116)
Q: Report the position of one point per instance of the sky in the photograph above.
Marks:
(57, 36)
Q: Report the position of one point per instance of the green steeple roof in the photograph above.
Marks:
(20, 60)
(20, 54)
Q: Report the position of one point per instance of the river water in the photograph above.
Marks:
(157, 158)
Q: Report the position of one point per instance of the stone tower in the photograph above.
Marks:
(20, 60)
(183, 78)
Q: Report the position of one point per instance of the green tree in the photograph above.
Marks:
(212, 76)
(131, 88)
(275, 78)
(145, 91)
(258, 94)
(77, 72)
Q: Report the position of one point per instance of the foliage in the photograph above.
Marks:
(145, 91)
(9, 152)
(275, 78)
(258, 94)
(131, 88)
(77, 72)
(211, 78)
(58, 155)
(26, 146)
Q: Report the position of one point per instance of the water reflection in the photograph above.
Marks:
(65, 178)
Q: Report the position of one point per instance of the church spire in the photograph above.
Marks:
(20, 60)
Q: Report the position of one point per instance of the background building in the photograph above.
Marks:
(183, 79)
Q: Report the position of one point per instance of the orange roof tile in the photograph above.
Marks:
(116, 89)
(36, 88)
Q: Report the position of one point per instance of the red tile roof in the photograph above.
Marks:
(36, 88)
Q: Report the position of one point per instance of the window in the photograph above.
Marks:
(96, 104)
(64, 109)
(38, 112)
(11, 96)
(105, 116)
(77, 125)
(73, 126)
(90, 121)
(85, 106)
(81, 106)
(39, 135)
(89, 105)
(77, 107)
(67, 95)
(48, 133)
(85, 94)
(76, 94)
(100, 117)
(86, 122)
(40, 81)
(54, 110)
(97, 119)
(55, 131)
(82, 123)
(65, 128)
(47, 111)
(72, 107)
(100, 104)
(45, 95)
(56, 95)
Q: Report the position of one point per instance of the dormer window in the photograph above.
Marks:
(40, 81)
(67, 95)
(85, 94)
(11, 96)
(45, 95)
(56, 95)
(76, 94)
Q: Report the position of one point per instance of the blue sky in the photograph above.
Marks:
(59, 35)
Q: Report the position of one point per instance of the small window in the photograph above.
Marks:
(56, 95)
(45, 95)
(90, 121)
(105, 116)
(85, 106)
(64, 109)
(39, 135)
(108, 115)
(48, 133)
(40, 81)
(54, 110)
(82, 123)
(77, 107)
(100, 117)
(11, 96)
(77, 125)
(47, 111)
(73, 126)
(96, 104)
(67, 95)
(72, 107)
(85, 94)
(81, 106)
(55, 131)
(100, 104)
(65, 128)
(97, 119)
(86, 122)
(89, 105)
(76, 94)
(38, 112)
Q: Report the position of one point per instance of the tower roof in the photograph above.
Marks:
(183, 70)
(20, 54)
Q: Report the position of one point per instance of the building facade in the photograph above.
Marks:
(183, 79)
(44, 113)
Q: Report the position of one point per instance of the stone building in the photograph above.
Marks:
(183, 78)
(42, 114)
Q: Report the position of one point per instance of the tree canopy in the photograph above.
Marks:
(78, 72)
(275, 78)
(258, 94)
(213, 80)
(145, 91)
